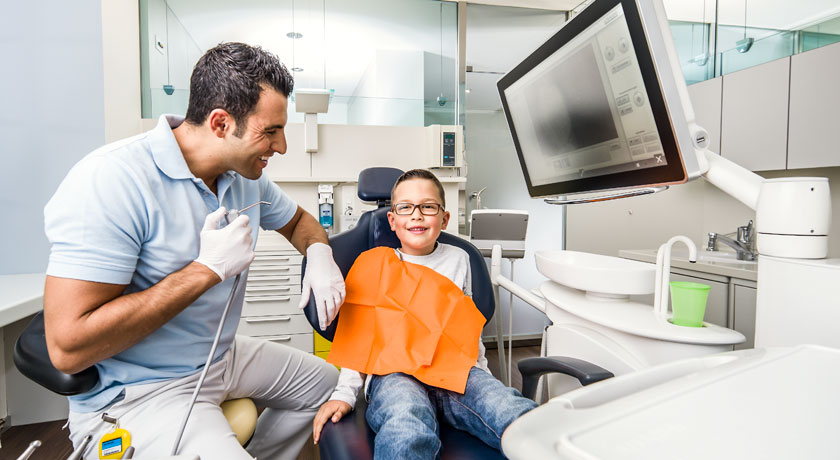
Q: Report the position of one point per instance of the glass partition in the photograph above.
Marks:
(386, 62)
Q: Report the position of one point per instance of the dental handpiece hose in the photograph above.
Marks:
(211, 223)
(206, 365)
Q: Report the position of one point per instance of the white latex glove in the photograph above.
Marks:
(324, 278)
(226, 251)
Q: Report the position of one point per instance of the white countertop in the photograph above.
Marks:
(730, 269)
(20, 296)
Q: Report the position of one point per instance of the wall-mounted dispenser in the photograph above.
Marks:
(445, 144)
(325, 206)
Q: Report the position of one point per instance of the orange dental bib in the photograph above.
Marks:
(403, 317)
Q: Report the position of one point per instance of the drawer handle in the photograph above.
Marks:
(253, 289)
(267, 319)
(266, 268)
(284, 338)
(272, 258)
(268, 299)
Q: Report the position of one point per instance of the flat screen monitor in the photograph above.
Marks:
(587, 109)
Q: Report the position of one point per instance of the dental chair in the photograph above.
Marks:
(32, 360)
(351, 437)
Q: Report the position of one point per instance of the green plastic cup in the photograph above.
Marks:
(688, 300)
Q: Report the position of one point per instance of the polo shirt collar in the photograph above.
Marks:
(165, 150)
(167, 153)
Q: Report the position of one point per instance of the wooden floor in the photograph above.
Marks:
(56, 445)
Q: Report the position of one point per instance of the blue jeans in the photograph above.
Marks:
(404, 413)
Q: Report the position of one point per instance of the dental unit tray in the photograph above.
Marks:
(502, 227)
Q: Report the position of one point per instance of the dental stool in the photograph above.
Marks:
(32, 360)
(351, 437)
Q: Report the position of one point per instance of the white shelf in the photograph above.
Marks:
(22, 295)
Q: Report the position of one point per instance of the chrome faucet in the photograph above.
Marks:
(743, 244)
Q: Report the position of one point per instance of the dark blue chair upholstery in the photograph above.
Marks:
(351, 438)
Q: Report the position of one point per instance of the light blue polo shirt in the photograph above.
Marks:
(130, 213)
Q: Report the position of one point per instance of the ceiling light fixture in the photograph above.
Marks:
(297, 69)
(294, 35)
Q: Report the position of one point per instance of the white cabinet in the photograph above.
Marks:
(755, 116)
(272, 294)
(743, 311)
(814, 99)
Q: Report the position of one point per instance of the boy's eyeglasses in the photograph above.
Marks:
(407, 209)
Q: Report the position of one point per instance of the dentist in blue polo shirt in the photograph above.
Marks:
(142, 264)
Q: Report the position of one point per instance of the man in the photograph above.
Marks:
(140, 271)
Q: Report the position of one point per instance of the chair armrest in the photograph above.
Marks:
(532, 368)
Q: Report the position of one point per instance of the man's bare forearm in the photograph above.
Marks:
(303, 231)
(87, 322)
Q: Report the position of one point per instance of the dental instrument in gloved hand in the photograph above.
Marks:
(323, 278)
(222, 245)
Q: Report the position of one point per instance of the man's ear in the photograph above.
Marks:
(220, 122)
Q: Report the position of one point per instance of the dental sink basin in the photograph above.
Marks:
(713, 257)
(597, 274)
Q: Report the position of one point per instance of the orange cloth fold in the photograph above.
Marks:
(403, 317)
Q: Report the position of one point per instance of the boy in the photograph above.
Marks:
(402, 409)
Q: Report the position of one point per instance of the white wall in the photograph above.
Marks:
(391, 90)
(53, 114)
(493, 164)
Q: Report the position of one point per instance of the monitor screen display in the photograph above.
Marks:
(585, 109)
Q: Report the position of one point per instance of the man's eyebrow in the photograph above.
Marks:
(272, 127)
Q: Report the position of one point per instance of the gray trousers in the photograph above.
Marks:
(291, 384)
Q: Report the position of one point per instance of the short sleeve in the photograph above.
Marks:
(282, 207)
(96, 223)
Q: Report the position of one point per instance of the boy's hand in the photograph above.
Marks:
(332, 409)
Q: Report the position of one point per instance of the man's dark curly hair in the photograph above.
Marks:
(231, 76)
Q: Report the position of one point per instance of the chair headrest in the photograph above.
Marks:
(375, 184)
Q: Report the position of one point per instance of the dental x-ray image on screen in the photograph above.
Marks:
(568, 117)
(585, 110)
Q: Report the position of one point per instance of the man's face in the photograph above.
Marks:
(262, 136)
(417, 232)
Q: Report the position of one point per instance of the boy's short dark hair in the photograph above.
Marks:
(421, 174)
(231, 76)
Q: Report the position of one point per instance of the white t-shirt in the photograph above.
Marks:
(451, 262)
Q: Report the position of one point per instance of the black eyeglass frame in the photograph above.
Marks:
(415, 207)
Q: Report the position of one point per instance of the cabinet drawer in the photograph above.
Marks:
(256, 326)
(263, 259)
(273, 270)
(279, 285)
(302, 342)
(271, 305)
(271, 290)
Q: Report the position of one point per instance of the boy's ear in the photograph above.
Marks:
(445, 220)
(391, 220)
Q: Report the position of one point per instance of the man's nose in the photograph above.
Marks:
(279, 145)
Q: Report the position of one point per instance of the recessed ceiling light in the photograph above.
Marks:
(294, 35)
(467, 91)
(297, 69)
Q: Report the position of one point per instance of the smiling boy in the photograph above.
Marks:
(403, 411)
